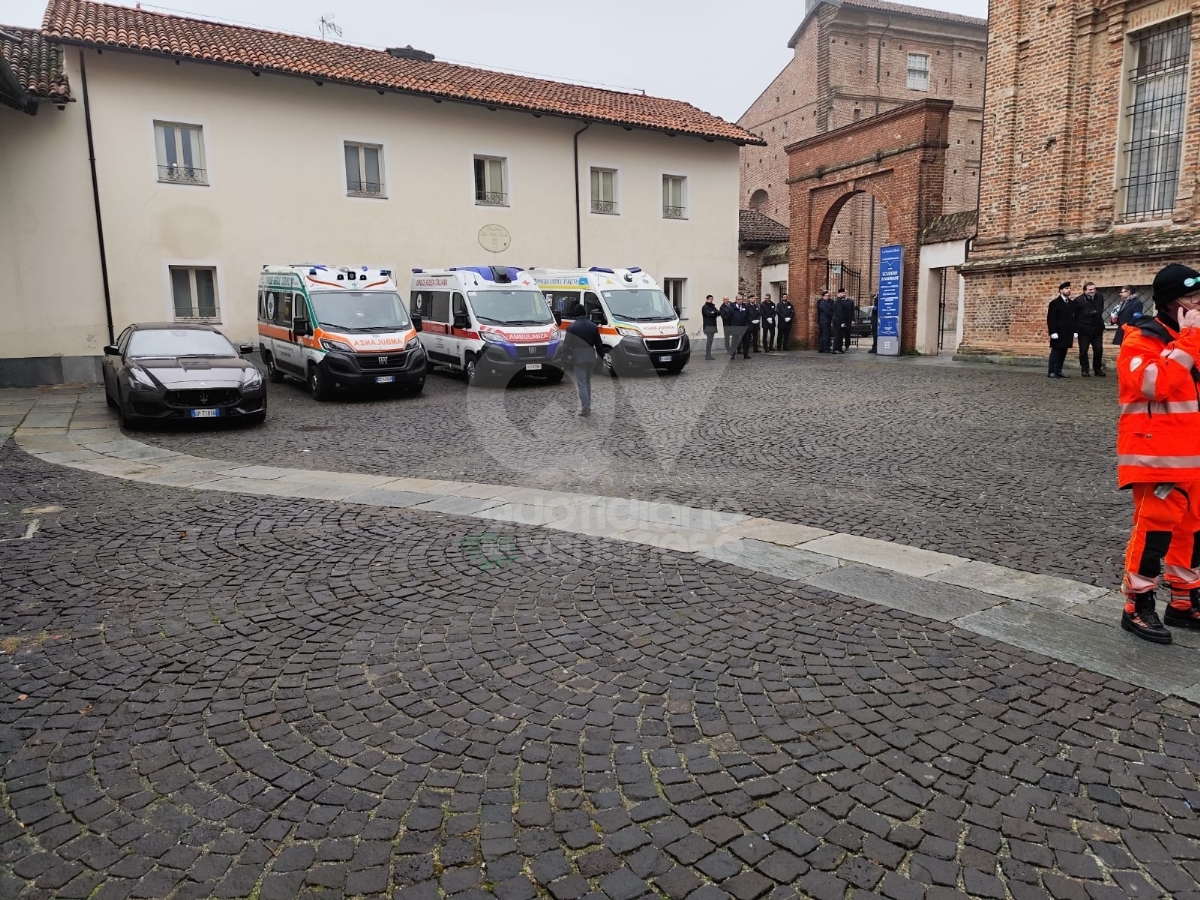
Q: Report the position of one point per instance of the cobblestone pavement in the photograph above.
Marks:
(987, 462)
(220, 695)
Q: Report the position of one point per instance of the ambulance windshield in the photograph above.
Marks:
(360, 310)
(640, 306)
(516, 307)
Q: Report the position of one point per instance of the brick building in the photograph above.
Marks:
(852, 60)
(1088, 172)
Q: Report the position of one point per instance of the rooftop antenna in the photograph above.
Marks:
(327, 25)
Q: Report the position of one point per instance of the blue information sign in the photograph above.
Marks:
(891, 281)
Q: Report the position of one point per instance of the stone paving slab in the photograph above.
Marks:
(1042, 590)
(771, 559)
(883, 554)
(774, 532)
(385, 497)
(1093, 646)
(457, 506)
(942, 602)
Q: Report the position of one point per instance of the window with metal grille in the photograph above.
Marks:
(674, 289)
(364, 170)
(674, 197)
(194, 292)
(604, 191)
(918, 71)
(1157, 90)
(489, 181)
(180, 152)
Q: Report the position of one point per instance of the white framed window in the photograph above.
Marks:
(674, 197)
(1156, 88)
(491, 181)
(364, 170)
(194, 294)
(676, 290)
(180, 151)
(604, 191)
(918, 71)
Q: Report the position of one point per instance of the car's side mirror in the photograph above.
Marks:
(597, 317)
(245, 349)
(462, 321)
(416, 320)
(300, 326)
(111, 350)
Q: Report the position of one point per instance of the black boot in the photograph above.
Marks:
(1185, 618)
(1144, 621)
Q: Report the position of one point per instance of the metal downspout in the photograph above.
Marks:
(578, 215)
(87, 118)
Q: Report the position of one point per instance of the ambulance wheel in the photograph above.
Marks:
(316, 384)
(471, 371)
(273, 372)
(554, 376)
(607, 362)
(112, 404)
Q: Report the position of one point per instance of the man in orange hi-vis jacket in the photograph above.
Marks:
(1158, 456)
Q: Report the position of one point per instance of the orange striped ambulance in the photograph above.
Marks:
(639, 326)
(336, 327)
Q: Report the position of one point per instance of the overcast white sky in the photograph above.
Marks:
(716, 54)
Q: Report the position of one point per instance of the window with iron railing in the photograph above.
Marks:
(490, 187)
(1157, 90)
(674, 197)
(194, 293)
(604, 191)
(180, 152)
(364, 170)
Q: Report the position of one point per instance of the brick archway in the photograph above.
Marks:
(900, 158)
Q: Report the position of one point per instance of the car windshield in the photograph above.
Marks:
(515, 307)
(360, 310)
(170, 343)
(640, 306)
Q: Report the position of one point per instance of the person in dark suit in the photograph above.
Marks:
(768, 323)
(1127, 313)
(786, 314)
(741, 329)
(824, 323)
(874, 324)
(709, 313)
(755, 321)
(1060, 325)
(843, 316)
(1089, 325)
(726, 313)
(585, 347)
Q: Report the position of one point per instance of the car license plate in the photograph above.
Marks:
(664, 359)
(532, 366)
(205, 413)
(384, 379)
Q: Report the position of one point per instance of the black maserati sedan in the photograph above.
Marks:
(174, 371)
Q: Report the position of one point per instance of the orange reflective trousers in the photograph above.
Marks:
(1165, 542)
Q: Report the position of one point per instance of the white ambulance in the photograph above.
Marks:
(337, 327)
(488, 322)
(637, 323)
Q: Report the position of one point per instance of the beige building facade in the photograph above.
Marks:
(204, 173)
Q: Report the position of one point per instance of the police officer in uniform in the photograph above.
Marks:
(726, 313)
(755, 321)
(741, 329)
(785, 312)
(768, 319)
(825, 323)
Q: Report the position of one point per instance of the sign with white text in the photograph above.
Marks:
(889, 303)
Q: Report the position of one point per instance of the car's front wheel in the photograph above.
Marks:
(317, 385)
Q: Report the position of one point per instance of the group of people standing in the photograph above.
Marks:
(1082, 319)
(747, 324)
(835, 315)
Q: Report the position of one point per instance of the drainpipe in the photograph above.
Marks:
(87, 118)
(578, 220)
(878, 91)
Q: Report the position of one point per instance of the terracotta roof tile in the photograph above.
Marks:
(35, 64)
(958, 226)
(103, 25)
(756, 228)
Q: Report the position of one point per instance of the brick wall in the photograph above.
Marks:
(899, 157)
(831, 82)
(1051, 203)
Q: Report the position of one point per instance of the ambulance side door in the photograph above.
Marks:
(460, 316)
(287, 352)
(439, 318)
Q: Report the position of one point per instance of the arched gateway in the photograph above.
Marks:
(899, 157)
